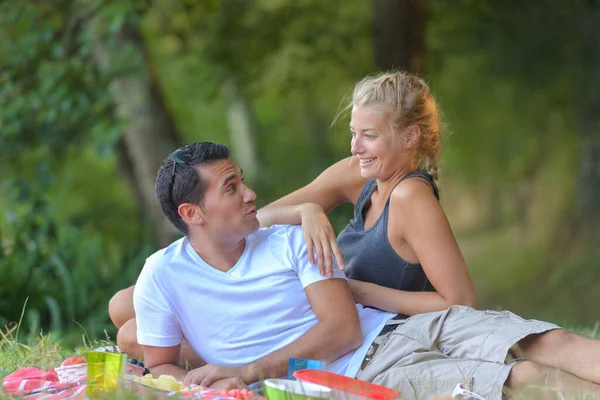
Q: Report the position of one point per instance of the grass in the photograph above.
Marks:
(42, 351)
(47, 351)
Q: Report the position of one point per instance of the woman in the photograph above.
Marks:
(399, 237)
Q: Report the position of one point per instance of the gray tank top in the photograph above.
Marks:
(368, 254)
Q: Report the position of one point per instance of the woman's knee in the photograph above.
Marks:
(120, 307)
(127, 339)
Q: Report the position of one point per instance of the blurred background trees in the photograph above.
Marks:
(93, 96)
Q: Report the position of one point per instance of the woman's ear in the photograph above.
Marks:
(411, 136)
(191, 214)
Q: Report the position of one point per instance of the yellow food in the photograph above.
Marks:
(165, 382)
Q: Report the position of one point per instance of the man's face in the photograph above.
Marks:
(228, 206)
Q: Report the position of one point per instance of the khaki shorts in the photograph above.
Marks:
(430, 354)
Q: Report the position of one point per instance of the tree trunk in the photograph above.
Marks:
(588, 114)
(399, 35)
(149, 135)
(589, 171)
(243, 143)
(315, 128)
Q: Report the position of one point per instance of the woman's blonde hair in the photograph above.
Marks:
(407, 100)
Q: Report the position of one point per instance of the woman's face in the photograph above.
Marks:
(374, 143)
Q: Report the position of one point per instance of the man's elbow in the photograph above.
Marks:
(357, 339)
(351, 334)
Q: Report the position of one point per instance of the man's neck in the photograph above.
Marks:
(219, 255)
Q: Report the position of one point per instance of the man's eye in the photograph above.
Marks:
(231, 188)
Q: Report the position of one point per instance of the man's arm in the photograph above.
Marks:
(336, 333)
(164, 361)
(157, 329)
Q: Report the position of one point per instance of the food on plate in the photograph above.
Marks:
(135, 361)
(164, 382)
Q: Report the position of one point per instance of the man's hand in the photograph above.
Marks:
(229, 383)
(211, 373)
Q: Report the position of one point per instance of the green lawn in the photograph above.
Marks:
(18, 350)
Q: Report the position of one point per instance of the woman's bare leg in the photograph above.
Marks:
(529, 379)
(120, 307)
(565, 350)
(127, 341)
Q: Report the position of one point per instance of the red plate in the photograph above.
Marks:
(350, 385)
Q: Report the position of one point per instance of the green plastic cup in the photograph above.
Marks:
(105, 371)
(285, 389)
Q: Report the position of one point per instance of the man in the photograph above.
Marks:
(245, 299)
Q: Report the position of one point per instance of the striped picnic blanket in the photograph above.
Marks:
(34, 384)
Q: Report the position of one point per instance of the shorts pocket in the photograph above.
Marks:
(426, 389)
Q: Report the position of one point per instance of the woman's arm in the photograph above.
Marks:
(338, 184)
(397, 301)
(417, 222)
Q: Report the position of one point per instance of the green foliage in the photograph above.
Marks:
(48, 93)
(62, 238)
(506, 74)
(235, 38)
(308, 62)
(65, 270)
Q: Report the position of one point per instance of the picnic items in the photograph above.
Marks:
(347, 388)
(29, 379)
(286, 389)
(74, 368)
(104, 370)
(109, 372)
(199, 392)
(163, 382)
(295, 364)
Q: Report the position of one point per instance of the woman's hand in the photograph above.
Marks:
(320, 239)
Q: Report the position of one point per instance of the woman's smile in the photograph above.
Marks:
(366, 162)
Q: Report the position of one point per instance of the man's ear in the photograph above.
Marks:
(411, 136)
(191, 214)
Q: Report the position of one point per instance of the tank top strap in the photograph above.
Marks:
(364, 196)
(428, 178)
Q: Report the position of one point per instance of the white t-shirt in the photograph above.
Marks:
(239, 316)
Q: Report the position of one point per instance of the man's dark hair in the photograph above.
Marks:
(178, 181)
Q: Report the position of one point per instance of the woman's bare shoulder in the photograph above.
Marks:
(413, 192)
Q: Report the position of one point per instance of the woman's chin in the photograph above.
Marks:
(368, 173)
